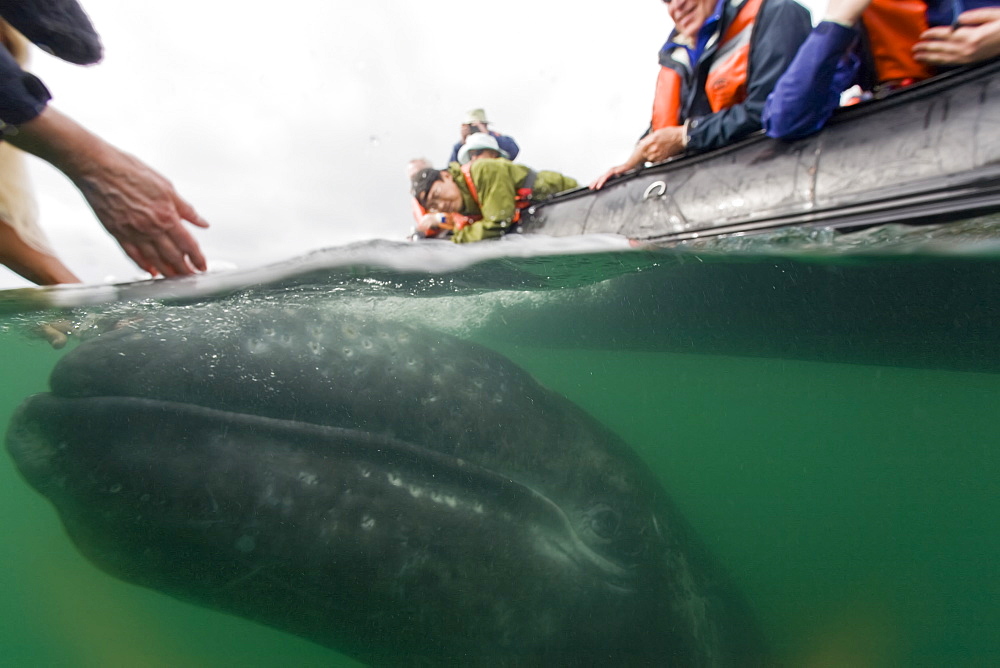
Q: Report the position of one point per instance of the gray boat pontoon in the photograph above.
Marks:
(927, 153)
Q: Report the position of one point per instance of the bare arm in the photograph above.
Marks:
(633, 161)
(136, 205)
(654, 147)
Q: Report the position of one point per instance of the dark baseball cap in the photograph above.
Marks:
(422, 181)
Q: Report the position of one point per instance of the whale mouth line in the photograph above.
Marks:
(23, 432)
(34, 446)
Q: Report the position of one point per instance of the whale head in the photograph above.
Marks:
(387, 490)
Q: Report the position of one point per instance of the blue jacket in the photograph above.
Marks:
(832, 59)
(22, 95)
(779, 30)
(506, 143)
(828, 63)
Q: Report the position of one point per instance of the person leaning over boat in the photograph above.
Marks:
(877, 45)
(136, 205)
(738, 48)
(476, 122)
(476, 147)
(489, 193)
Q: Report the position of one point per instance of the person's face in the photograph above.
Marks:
(444, 196)
(483, 153)
(689, 15)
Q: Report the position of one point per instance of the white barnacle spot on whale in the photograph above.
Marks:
(445, 499)
(257, 347)
(367, 522)
(246, 544)
(271, 499)
(315, 348)
(394, 479)
(308, 479)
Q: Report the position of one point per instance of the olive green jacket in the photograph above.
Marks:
(497, 181)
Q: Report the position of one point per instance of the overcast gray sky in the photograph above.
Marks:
(288, 125)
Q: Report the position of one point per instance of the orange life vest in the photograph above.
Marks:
(726, 83)
(418, 209)
(522, 198)
(452, 221)
(893, 27)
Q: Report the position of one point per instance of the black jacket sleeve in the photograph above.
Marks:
(779, 30)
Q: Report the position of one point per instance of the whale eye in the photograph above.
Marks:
(617, 534)
(605, 522)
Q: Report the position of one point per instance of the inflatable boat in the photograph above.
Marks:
(928, 153)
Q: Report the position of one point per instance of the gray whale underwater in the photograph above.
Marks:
(401, 495)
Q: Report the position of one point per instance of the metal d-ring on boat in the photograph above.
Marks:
(656, 189)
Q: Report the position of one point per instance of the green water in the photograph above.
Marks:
(846, 478)
(58, 610)
(856, 505)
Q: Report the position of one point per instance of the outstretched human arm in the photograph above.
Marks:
(637, 158)
(977, 37)
(808, 92)
(656, 146)
(136, 205)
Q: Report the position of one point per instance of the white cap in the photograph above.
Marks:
(478, 141)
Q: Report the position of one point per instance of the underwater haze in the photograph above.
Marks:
(821, 408)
